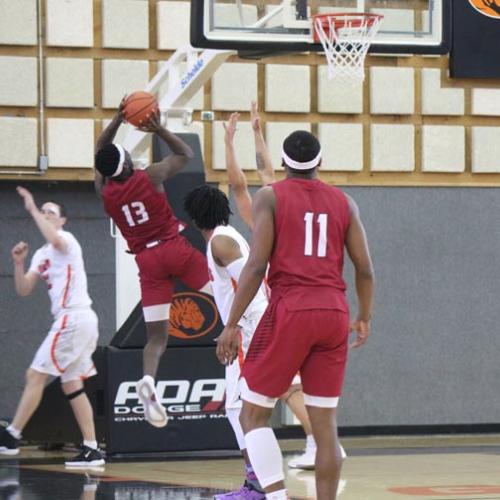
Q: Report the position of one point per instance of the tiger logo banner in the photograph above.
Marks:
(490, 8)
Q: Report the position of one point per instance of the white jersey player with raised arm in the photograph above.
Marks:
(66, 351)
(224, 281)
(64, 274)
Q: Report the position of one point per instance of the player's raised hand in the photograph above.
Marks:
(19, 252)
(255, 117)
(121, 108)
(153, 124)
(362, 329)
(230, 127)
(29, 202)
(228, 344)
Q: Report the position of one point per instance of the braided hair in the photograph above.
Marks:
(208, 206)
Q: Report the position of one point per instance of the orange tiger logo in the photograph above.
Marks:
(490, 8)
(185, 315)
(189, 319)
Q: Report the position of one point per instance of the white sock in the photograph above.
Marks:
(90, 444)
(265, 456)
(233, 415)
(14, 432)
(310, 442)
(277, 495)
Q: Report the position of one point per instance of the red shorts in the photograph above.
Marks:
(160, 265)
(291, 339)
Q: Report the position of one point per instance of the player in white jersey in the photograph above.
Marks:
(67, 349)
(227, 253)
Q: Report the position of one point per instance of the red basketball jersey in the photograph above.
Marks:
(310, 223)
(141, 212)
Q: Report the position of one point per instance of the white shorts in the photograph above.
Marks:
(67, 349)
(233, 371)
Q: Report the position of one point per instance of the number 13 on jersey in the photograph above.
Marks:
(322, 221)
(135, 213)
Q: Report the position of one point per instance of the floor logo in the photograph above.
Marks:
(432, 491)
(192, 315)
(490, 8)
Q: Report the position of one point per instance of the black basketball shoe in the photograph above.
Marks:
(9, 445)
(88, 457)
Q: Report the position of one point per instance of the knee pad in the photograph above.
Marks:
(75, 394)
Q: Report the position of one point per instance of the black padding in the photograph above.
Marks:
(75, 394)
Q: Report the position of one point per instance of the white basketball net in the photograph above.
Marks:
(346, 39)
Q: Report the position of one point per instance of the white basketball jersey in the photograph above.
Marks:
(224, 286)
(64, 274)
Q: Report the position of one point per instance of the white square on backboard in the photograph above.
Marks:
(18, 142)
(125, 24)
(443, 148)
(70, 142)
(486, 149)
(392, 148)
(234, 86)
(18, 22)
(70, 23)
(341, 146)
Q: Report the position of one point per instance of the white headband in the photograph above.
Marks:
(119, 168)
(307, 165)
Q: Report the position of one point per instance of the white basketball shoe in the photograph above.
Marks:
(154, 412)
(307, 460)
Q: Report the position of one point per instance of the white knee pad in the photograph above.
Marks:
(265, 456)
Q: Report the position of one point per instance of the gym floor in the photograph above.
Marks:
(465, 467)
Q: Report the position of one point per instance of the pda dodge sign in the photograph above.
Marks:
(191, 386)
(183, 399)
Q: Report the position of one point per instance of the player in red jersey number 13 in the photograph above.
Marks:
(135, 199)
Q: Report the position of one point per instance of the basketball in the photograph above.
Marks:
(139, 106)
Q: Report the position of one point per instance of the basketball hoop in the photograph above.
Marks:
(346, 38)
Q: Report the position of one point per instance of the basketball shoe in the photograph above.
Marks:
(154, 412)
(307, 460)
(88, 457)
(246, 492)
(9, 445)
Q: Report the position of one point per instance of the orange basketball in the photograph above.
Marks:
(139, 106)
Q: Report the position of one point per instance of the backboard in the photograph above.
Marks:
(270, 26)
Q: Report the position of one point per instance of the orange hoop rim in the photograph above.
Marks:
(340, 19)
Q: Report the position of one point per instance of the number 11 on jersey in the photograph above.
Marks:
(322, 221)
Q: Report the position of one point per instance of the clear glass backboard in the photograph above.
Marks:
(409, 26)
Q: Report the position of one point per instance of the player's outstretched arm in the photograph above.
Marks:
(237, 179)
(252, 274)
(24, 282)
(107, 136)
(49, 232)
(357, 248)
(262, 157)
(174, 162)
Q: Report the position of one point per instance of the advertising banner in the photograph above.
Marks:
(191, 386)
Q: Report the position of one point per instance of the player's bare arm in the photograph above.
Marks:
(225, 250)
(174, 162)
(237, 179)
(357, 248)
(46, 227)
(252, 274)
(24, 282)
(107, 136)
(262, 157)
